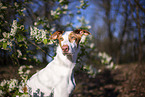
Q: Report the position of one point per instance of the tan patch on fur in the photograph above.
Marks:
(56, 34)
(82, 32)
(60, 38)
(74, 37)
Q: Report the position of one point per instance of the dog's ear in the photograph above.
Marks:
(56, 34)
(82, 32)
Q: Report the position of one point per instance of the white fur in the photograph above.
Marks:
(57, 77)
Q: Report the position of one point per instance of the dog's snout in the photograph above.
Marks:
(65, 48)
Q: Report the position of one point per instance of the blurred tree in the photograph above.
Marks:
(138, 16)
(122, 32)
(26, 26)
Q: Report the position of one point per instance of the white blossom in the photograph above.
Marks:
(66, 7)
(81, 5)
(89, 27)
(99, 70)
(92, 45)
(64, 12)
(52, 12)
(21, 68)
(84, 22)
(30, 66)
(90, 70)
(24, 58)
(3, 83)
(51, 42)
(78, 17)
(110, 66)
(78, 11)
(5, 35)
(23, 9)
(1, 92)
(21, 86)
(31, 31)
(43, 34)
(52, 29)
(28, 71)
(60, 1)
(82, 1)
(102, 61)
(20, 72)
(22, 26)
(58, 13)
(16, 4)
(35, 23)
(39, 34)
(25, 95)
(13, 84)
(83, 39)
(3, 7)
(19, 53)
(108, 59)
(116, 67)
(13, 28)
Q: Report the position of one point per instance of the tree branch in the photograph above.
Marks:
(139, 5)
(40, 49)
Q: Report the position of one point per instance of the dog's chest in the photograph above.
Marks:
(64, 72)
(60, 68)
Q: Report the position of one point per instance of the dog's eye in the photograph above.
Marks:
(73, 38)
(61, 39)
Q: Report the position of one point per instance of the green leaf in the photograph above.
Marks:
(45, 41)
(4, 45)
(20, 38)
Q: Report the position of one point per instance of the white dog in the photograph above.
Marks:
(57, 77)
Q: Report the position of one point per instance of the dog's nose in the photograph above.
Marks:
(65, 48)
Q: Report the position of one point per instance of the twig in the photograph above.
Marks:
(41, 49)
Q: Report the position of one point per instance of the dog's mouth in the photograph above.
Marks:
(67, 53)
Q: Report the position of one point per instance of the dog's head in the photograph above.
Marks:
(69, 40)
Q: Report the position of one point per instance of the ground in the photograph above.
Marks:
(127, 80)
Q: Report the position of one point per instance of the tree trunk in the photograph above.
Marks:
(122, 34)
(139, 36)
(137, 21)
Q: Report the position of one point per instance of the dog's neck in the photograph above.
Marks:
(69, 60)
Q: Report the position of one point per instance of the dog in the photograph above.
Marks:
(57, 78)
